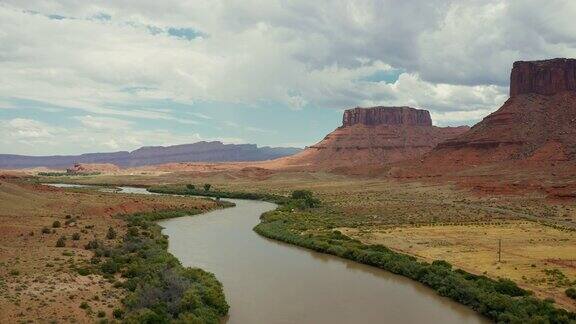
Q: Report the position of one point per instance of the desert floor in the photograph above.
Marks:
(428, 220)
(39, 282)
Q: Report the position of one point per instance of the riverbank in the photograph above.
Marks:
(48, 250)
(159, 288)
(301, 222)
(429, 222)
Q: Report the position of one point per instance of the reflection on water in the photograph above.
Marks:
(267, 281)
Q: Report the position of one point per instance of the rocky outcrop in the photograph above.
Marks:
(386, 116)
(545, 77)
(80, 168)
(374, 137)
(196, 152)
(535, 124)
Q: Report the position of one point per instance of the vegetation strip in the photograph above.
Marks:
(298, 216)
(160, 289)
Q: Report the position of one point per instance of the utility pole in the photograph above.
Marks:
(499, 250)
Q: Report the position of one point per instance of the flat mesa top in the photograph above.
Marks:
(381, 115)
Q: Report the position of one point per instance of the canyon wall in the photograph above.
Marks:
(545, 77)
(537, 122)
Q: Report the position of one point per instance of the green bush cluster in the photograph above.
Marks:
(304, 199)
(63, 174)
(193, 191)
(160, 289)
(571, 292)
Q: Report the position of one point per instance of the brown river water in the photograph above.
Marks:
(266, 281)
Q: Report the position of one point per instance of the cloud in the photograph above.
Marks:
(103, 123)
(92, 134)
(111, 59)
(28, 129)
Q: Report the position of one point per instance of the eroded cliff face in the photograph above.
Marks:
(386, 116)
(537, 123)
(375, 136)
(545, 77)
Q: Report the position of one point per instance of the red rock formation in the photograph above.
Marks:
(537, 123)
(85, 168)
(545, 77)
(373, 137)
(386, 116)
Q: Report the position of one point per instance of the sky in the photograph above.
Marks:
(97, 76)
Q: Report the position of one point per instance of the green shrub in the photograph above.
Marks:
(61, 242)
(207, 187)
(571, 292)
(84, 305)
(111, 233)
(118, 313)
(110, 267)
(190, 187)
(301, 194)
(93, 244)
(76, 236)
(56, 224)
(46, 230)
(304, 199)
(101, 314)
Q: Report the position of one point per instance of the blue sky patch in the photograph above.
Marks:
(387, 76)
(184, 33)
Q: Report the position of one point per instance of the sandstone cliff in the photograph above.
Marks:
(545, 77)
(537, 123)
(373, 137)
(386, 116)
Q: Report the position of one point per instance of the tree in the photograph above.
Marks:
(306, 198)
(207, 187)
(301, 194)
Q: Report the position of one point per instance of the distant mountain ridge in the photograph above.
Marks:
(214, 151)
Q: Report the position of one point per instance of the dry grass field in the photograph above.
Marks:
(38, 280)
(540, 258)
(430, 221)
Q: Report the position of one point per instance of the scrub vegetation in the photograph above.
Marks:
(301, 219)
(160, 289)
(67, 257)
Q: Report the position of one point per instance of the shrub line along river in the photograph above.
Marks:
(266, 281)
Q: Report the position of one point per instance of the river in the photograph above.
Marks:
(266, 281)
